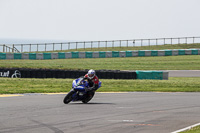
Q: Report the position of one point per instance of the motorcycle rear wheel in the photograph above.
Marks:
(68, 97)
(89, 96)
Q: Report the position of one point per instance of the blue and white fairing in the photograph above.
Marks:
(80, 84)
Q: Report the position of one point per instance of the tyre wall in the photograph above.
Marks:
(102, 74)
(101, 54)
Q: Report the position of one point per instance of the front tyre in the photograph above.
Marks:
(68, 97)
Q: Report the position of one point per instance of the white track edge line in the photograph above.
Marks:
(187, 128)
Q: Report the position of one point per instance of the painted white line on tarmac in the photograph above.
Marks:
(10, 95)
(111, 92)
(187, 128)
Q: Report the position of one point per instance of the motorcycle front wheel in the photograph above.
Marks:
(68, 97)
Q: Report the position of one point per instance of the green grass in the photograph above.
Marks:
(193, 130)
(153, 47)
(13, 86)
(185, 62)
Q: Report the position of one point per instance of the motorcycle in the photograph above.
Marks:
(79, 91)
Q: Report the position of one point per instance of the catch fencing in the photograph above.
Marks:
(42, 47)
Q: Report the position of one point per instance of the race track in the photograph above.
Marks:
(135, 112)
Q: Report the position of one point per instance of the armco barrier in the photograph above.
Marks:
(122, 54)
(2, 55)
(96, 54)
(129, 53)
(147, 52)
(89, 54)
(69, 55)
(49, 73)
(54, 55)
(168, 52)
(99, 54)
(61, 55)
(25, 55)
(194, 52)
(17, 56)
(154, 53)
(32, 56)
(152, 75)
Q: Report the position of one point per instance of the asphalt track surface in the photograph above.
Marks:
(134, 112)
(183, 73)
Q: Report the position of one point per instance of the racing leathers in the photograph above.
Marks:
(93, 83)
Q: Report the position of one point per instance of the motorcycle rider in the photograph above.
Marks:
(92, 80)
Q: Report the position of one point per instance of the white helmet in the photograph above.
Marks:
(91, 74)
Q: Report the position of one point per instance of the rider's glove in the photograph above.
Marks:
(88, 89)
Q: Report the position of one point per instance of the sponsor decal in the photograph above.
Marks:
(4, 74)
(15, 74)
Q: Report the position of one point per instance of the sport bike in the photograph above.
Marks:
(79, 92)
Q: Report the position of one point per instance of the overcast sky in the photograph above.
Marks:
(98, 19)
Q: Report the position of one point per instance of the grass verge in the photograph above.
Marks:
(186, 62)
(152, 47)
(193, 130)
(14, 86)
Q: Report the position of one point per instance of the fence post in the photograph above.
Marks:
(178, 40)
(68, 45)
(127, 43)
(13, 48)
(171, 41)
(164, 41)
(22, 48)
(4, 48)
(37, 47)
(61, 46)
(193, 40)
(53, 46)
(106, 44)
(120, 43)
(156, 42)
(98, 44)
(91, 44)
(149, 43)
(186, 40)
(113, 44)
(141, 42)
(45, 46)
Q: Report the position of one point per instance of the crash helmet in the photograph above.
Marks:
(91, 74)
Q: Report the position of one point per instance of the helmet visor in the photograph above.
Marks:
(90, 75)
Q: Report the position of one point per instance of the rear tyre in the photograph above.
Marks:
(68, 97)
(89, 96)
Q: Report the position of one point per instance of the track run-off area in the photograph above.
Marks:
(140, 112)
